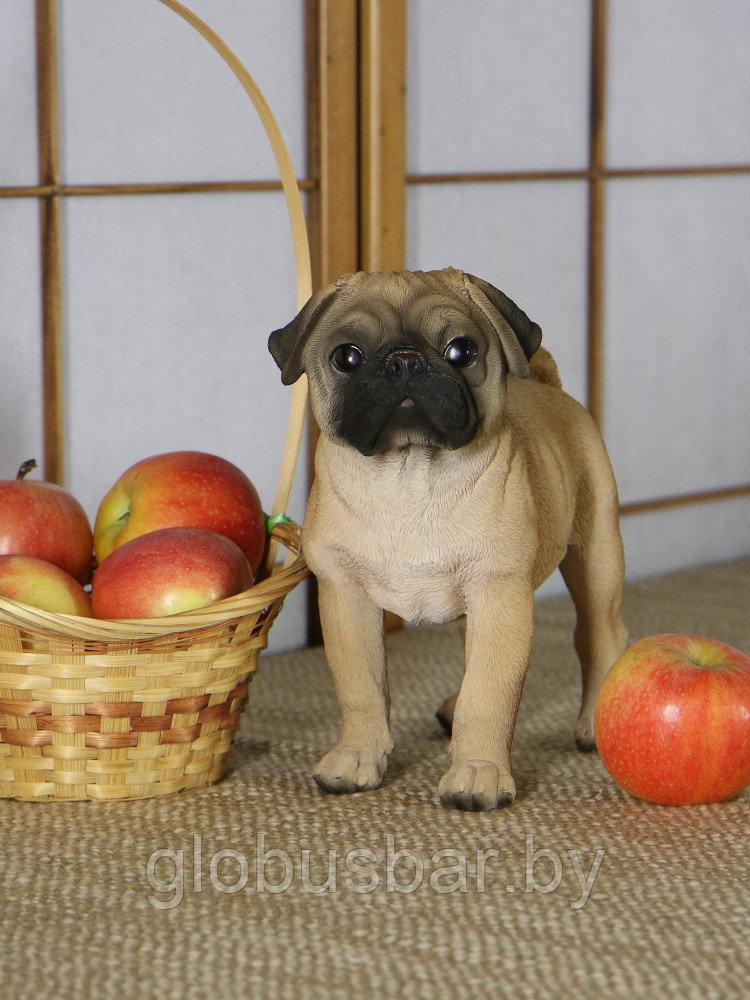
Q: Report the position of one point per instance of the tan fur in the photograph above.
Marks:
(434, 534)
(544, 368)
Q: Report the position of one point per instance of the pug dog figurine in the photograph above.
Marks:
(452, 477)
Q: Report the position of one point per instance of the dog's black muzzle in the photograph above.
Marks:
(406, 395)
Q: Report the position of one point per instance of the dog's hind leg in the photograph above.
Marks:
(445, 713)
(594, 570)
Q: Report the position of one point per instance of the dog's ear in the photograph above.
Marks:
(287, 344)
(524, 337)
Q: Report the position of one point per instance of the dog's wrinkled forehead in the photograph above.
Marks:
(383, 308)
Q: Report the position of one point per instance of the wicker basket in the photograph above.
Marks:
(106, 710)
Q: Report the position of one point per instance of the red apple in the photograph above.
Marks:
(672, 720)
(41, 585)
(182, 489)
(43, 520)
(169, 571)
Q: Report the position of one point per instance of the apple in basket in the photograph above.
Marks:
(41, 585)
(182, 489)
(169, 571)
(672, 720)
(43, 520)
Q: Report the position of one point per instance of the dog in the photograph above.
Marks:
(452, 476)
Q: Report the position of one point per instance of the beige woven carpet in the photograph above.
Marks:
(576, 891)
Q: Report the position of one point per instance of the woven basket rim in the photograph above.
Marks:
(279, 583)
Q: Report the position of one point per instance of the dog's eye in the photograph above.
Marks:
(460, 352)
(347, 357)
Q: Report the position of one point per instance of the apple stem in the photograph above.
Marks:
(26, 468)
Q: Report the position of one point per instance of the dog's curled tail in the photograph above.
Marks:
(544, 368)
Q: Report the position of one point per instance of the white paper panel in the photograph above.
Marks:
(20, 336)
(18, 153)
(147, 99)
(677, 410)
(686, 536)
(679, 82)
(169, 304)
(497, 86)
(527, 239)
(678, 538)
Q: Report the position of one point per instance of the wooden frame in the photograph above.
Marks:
(49, 237)
(382, 40)
(356, 126)
(356, 181)
(383, 135)
(596, 195)
(332, 146)
(50, 191)
(356, 72)
(597, 174)
(331, 31)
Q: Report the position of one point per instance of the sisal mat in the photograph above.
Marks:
(263, 886)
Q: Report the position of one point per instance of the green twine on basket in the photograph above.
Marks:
(272, 520)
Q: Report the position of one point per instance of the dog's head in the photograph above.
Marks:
(406, 358)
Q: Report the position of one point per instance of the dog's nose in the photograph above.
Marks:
(404, 362)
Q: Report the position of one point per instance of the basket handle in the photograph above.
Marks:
(298, 406)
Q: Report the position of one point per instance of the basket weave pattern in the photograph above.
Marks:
(87, 713)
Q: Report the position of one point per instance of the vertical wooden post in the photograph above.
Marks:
(332, 153)
(49, 226)
(332, 47)
(596, 209)
(356, 71)
(383, 134)
(382, 43)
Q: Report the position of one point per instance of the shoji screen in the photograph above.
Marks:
(176, 255)
(593, 160)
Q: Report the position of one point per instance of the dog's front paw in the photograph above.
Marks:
(350, 770)
(477, 785)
